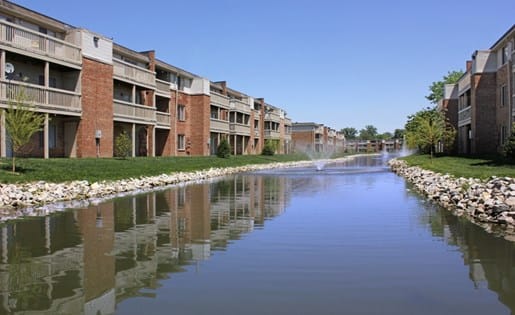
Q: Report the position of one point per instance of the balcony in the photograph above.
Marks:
(240, 129)
(129, 72)
(219, 100)
(218, 125)
(19, 37)
(464, 116)
(48, 100)
(272, 134)
(163, 87)
(163, 120)
(134, 113)
(273, 116)
(239, 106)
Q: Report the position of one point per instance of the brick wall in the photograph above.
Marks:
(450, 106)
(303, 140)
(97, 109)
(502, 112)
(483, 88)
(199, 128)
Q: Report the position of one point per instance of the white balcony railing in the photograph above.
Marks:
(240, 129)
(125, 70)
(163, 86)
(238, 106)
(272, 116)
(464, 116)
(134, 112)
(45, 99)
(26, 39)
(219, 100)
(272, 134)
(163, 119)
(219, 125)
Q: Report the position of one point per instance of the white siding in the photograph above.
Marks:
(101, 50)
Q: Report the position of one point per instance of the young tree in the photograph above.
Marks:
(224, 149)
(437, 87)
(21, 121)
(268, 148)
(509, 147)
(122, 145)
(427, 128)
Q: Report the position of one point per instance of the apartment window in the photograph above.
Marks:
(504, 55)
(181, 143)
(214, 112)
(181, 112)
(504, 96)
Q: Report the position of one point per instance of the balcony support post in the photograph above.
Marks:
(133, 137)
(3, 134)
(46, 154)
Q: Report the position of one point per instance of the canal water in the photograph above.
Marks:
(350, 239)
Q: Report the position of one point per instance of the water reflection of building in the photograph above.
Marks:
(491, 259)
(85, 261)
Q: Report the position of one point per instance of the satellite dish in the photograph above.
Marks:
(9, 68)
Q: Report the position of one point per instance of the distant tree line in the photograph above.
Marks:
(370, 133)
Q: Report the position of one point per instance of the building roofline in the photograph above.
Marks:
(508, 32)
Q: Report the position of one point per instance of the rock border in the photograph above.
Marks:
(42, 198)
(489, 204)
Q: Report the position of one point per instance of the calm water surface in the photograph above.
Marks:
(352, 239)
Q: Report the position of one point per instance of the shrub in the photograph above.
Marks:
(122, 145)
(224, 149)
(269, 148)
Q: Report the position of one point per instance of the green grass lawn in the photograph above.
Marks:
(91, 169)
(476, 167)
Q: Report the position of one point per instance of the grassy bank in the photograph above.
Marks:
(476, 167)
(62, 170)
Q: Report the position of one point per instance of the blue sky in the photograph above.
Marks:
(340, 63)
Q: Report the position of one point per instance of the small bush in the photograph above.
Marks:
(122, 145)
(268, 149)
(224, 149)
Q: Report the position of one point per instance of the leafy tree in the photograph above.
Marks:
(21, 122)
(122, 145)
(427, 128)
(398, 133)
(224, 149)
(385, 136)
(368, 133)
(349, 133)
(268, 148)
(437, 87)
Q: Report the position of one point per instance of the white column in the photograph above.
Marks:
(45, 138)
(3, 135)
(2, 64)
(47, 80)
(153, 149)
(133, 140)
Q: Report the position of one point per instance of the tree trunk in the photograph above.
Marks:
(14, 163)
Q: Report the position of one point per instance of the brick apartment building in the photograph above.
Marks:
(91, 89)
(310, 136)
(480, 105)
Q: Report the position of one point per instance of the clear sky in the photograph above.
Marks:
(337, 62)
